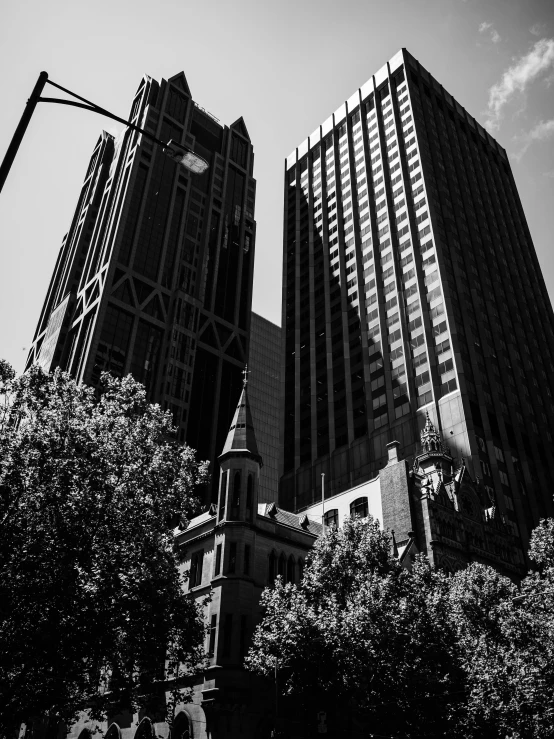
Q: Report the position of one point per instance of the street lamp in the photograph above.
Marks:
(323, 502)
(180, 154)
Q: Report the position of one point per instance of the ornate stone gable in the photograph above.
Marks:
(456, 521)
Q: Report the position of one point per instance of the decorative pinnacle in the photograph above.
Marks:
(428, 424)
(431, 440)
(245, 373)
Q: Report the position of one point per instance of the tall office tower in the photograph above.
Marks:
(411, 284)
(264, 359)
(155, 274)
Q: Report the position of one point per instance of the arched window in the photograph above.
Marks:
(331, 518)
(236, 490)
(181, 727)
(290, 569)
(272, 566)
(300, 569)
(223, 493)
(282, 566)
(249, 490)
(358, 508)
(145, 729)
(114, 732)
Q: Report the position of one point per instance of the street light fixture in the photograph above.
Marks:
(179, 153)
(185, 157)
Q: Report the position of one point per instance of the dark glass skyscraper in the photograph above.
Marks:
(411, 284)
(155, 274)
(263, 390)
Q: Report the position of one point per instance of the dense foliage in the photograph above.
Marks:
(391, 652)
(92, 609)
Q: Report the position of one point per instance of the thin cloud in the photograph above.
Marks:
(550, 174)
(536, 29)
(540, 132)
(518, 77)
(493, 33)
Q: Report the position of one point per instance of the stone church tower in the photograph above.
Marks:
(240, 464)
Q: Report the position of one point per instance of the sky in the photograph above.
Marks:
(284, 66)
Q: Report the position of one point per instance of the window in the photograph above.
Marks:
(236, 490)
(223, 493)
(290, 569)
(232, 558)
(300, 569)
(195, 577)
(422, 379)
(331, 518)
(227, 634)
(213, 631)
(282, 566)
(218, 560)
(243, 634)
(359, 508)
(272, 568)
(249, 491)
(246, 567)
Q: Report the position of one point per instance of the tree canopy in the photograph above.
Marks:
(415, 653)
(92, 608)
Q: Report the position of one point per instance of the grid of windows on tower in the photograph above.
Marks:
(409, 276)
(355, 161)
(155, 274)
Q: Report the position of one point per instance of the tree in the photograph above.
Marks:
(413, 653)
(92, 609)
(360, 631)
(506, 640)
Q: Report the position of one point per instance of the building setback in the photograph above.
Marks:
(264, 359)
(411, 285)
(154, 277)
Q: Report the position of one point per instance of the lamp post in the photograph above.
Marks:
(323, 502)
(276, 730)
(180, 154)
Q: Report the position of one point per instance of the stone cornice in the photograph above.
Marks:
(274, 535)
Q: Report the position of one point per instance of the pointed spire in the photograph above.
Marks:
(428, 424)
(241, 437)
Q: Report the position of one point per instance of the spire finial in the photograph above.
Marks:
(428, 423)
(245, 373)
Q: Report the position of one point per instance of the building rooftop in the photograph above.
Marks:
(375, 81)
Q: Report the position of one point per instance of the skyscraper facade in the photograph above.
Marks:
(154, 277)
(264, 359)
(411, 285)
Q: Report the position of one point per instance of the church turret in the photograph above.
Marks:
(435, 456)
(240, 464)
